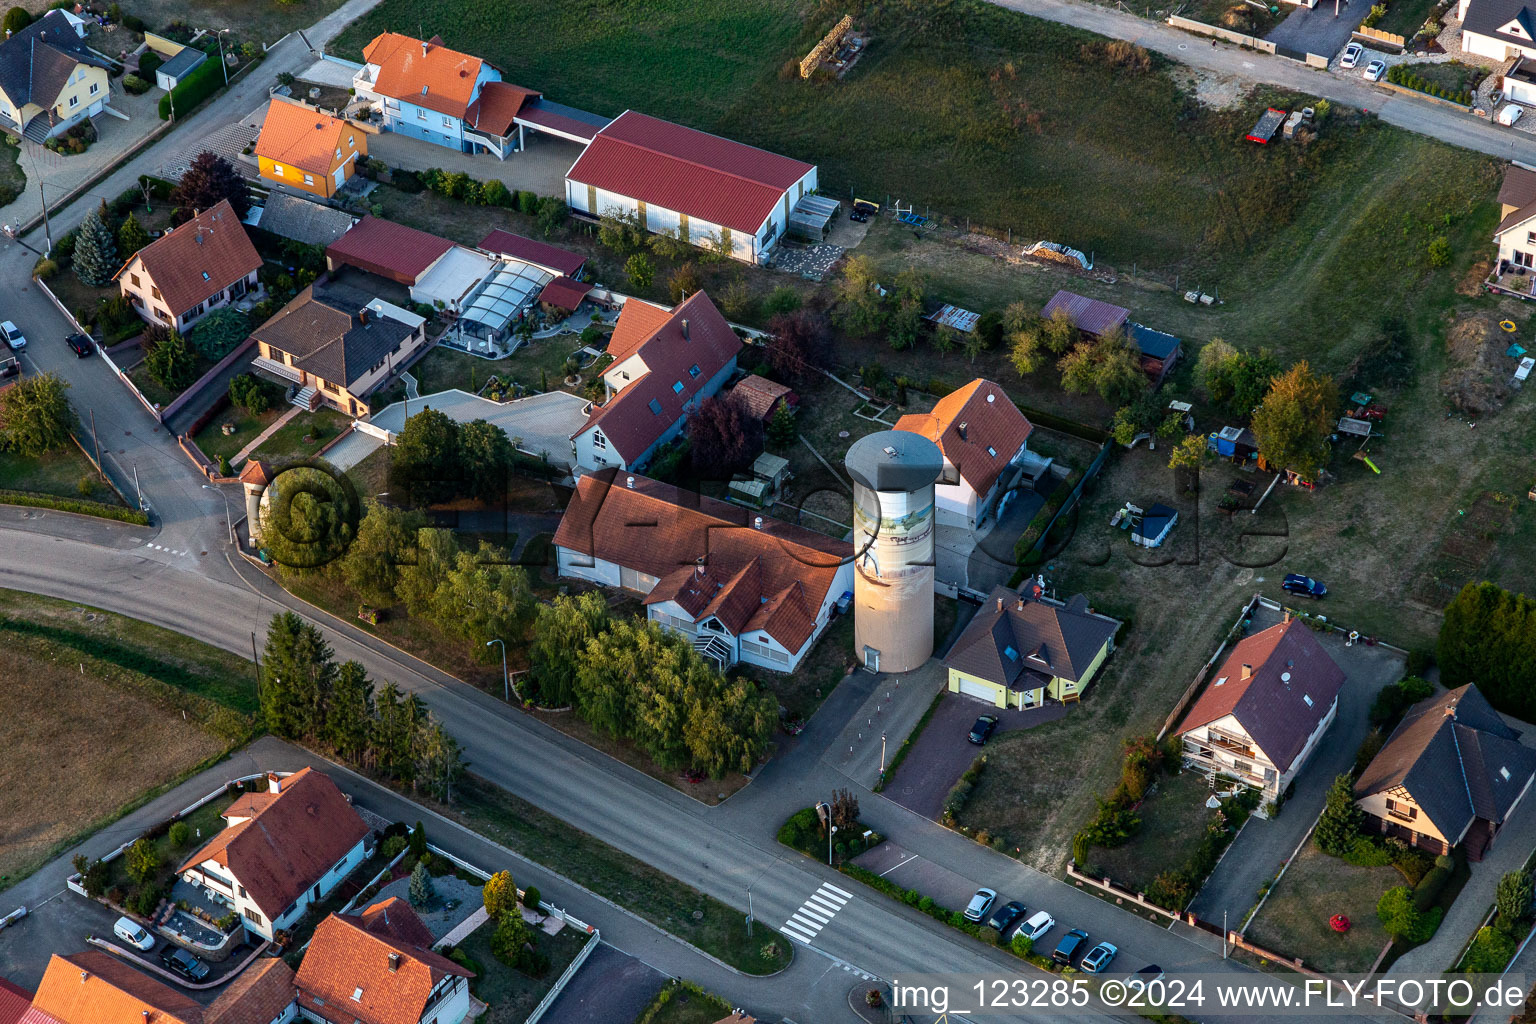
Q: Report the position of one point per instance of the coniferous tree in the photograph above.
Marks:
(131, 237)
(1339, 825)
(350, 717)
(95, 250)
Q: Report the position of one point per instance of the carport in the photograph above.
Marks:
(559, 120)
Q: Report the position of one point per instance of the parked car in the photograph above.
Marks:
(1148, 974)
(1070, 943)
(81, 344)
(1352, 54)
(10, 367)
(982, 729)
(131, 932)
(1295, 583)
(1374, 70)
(1510, 114)
(1006, 917)
(12, 335)
(1099, 958)
(1037, 926)
(982, 902)
(184, 963)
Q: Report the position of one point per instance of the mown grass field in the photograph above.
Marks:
(82, 693)
(63, 473)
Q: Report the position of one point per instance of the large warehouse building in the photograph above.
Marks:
(678, 179)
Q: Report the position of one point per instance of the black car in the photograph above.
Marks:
(81, 344)
(1006, 917)
(1070, 943)
(184, 963)
(1295, 583)
(982, 729)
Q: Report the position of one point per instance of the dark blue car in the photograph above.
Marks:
(1304, 585)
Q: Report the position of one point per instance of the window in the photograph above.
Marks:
(598, 440)
(338, 152)
(205, 275)
(599, 460)
(655, 407)
(677, 387)
(693, 371)
(94, 88)
(1399, 809)
(155, 292)
(135, 279)
(351, 143)
(357, 995)
(421, 115)
(251, 915)
(992, 451)
(74, 101)
(1530, 238)
(277, 169)
(447, 121)
(309, 179)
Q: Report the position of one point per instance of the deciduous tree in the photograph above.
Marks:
(640, 270)
(859, 307)
(620, 231)
(559, 637)
(426, 469)
(485, 457)
(499, 894)
(723, 437)
(210, 179)
(35, 417)
(1293, 422)
(386, 540)
(797, 344)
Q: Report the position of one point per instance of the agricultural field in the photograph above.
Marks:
(264, 21)
(81, 695)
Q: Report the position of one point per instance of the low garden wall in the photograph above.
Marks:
(1201, 28)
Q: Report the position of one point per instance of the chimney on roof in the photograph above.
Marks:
(685, 328)
(1021, 603)
(1247, 672)
(757, 522)
(424, 45)
(394, 962)
(630, 482)
(963, 426)
(362, 315)
(274, 784)
(1450, 711)
(999, 604)
(146, 1015)
(1286, 620)
(83, 977)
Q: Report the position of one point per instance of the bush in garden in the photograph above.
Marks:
(179, 833)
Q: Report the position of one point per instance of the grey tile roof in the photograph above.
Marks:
(304, 220)
(1487, 17)
(321, 329)
(36, 62)
(1452, 753)
(1026, 635)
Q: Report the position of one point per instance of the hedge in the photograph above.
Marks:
(204, 80)
(78, 506)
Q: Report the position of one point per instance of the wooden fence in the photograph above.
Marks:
(1376, 35)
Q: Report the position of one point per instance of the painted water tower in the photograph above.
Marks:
(893, 476)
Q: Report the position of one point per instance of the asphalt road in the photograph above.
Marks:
(1420, 116)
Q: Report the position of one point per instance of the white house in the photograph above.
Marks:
(679, 180)
(1516, 233)
(984, 438)
(423, 88)
(739, 586)
(280, 851)
(1264, 710)
(1498, 29)
(665, 362)
(377, 967)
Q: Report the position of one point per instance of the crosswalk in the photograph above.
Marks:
(816, 912)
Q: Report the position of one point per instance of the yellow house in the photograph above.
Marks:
(1023, 648)
(49, 79)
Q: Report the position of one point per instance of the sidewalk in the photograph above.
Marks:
(277, 424)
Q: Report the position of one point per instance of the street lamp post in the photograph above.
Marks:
(506, 684)
(222, 62)
(831, 831)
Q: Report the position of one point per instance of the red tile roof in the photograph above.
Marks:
(427, 74)
(760, 396)
(627, 418)
(637, 322)
(256, 473)
(347, 974)
(771, 579)
(290, 844)
(1291, 688)
(394, 919)
(529, 250)
(94, 987)
(1088, 315)
(388, 249)
(667, 165)
(14, 1001)
(200, 258)
(564, 293)
(257, 996)
(301, 137)
(978, 428)
(498, 103)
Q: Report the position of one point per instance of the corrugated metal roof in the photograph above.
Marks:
(1088, 315)
(677, 168)
(390, 250)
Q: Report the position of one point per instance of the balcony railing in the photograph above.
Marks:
(1231, 743)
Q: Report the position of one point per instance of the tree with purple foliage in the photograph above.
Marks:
(210, 179)
(723, 437)
(797, 343)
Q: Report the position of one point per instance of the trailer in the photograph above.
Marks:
(1269, 124)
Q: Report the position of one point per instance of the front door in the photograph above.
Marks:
(341, 176)
(871, 659)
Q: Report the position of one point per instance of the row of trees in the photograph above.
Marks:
(550, 211)
(436, 459)
(631, 680)
(1488, 637)
(306, 696)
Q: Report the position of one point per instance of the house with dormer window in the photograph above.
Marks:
(984, 438)
(1264, 711)
(50, 80)
(1452, 773)
(187, 273)
(665, 363)
(1498, 29)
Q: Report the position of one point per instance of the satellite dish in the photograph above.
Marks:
(1285, 677)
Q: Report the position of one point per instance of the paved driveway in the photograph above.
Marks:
(1317, 30)
(992, 563)
(1264, 845)
(543, 423)
(611, 986)
(942, 753)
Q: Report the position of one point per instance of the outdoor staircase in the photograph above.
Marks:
(714, 648)
(307, 398)
(37, 129)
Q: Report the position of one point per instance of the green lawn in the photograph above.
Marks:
(66, 473)
(681, 1002)
(695, 918)
(12, 178)
(214, 442)
(1405, 17)
(1177, 808)
(510, 993)
(320, 427)
(204, 821)
(1294, 920)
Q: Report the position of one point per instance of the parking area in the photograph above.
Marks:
(942, 752)
(1258, 852)
(611, 986)
(1317, 29)
(908, 870)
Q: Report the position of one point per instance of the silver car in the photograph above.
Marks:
(982, 902)
(12, 335)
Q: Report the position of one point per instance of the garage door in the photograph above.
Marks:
(981, 691)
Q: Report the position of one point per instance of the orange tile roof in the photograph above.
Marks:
(978, 428)
(637, 322)
(771, 579)
(394, 918)
(257, 996)
(290, 844)
(200, 258)
(760, 395)
(94, 987)
(496, 106)
(347, 975)
(301, 137)
(427, 74)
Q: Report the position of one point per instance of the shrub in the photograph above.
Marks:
(141, 860)
(149, 63)
(45, 269)
(532, 897)
(393, 847)
(1490, 952)
(1022, 945)
(144, 900)
(203, 81)
(135, 85)
(179, 833)
(1170, 890)
(527, 202)
(1430, 887)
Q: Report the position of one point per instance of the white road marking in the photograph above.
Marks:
(898, 864)
(816, 912)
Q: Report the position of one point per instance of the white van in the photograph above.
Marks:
(131, 932)
(1510, 113)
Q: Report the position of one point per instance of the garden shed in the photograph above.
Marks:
(170, 74)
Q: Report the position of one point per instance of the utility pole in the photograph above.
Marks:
(222, 62)
(136, 489)
(255, 658)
